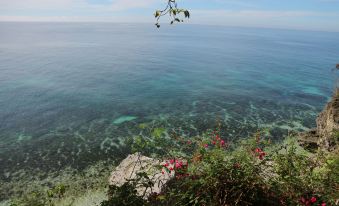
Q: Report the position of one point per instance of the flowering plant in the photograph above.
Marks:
(209, 170)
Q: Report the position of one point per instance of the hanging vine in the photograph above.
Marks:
(176, 14)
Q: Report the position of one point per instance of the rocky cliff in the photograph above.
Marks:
(325, 135)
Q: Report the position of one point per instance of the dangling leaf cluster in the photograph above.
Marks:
(176, 14)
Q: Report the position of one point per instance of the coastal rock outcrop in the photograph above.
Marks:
(325, 134)
(136, 163)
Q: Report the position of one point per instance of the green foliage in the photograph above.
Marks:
(336, 137)
(250, 172)
(219, 176)
(173, 11)
(39, 198)
(126, 194)
(302, 175)
(157, 132)
(157, 142)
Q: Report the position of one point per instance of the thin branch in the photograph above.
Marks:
(173, 11)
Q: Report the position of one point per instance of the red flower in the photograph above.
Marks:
(172, 161)
(261, 154)
(222, 143)
(258, 150)
(213, 142)
(313, 199)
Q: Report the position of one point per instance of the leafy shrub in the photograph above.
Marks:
(40, 198)
(250, 172)
(126, 194)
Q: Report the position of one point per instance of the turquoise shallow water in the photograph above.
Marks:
(70, 93)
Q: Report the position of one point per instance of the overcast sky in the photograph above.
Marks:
(292, 14)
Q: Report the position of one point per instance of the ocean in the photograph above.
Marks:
(71, 93)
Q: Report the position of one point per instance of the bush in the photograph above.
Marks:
(250, 172)
(40, 198)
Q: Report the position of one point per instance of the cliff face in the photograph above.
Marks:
(328, 123)
(325, 135)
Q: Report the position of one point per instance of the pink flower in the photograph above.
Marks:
(222, 142)
(258, 150)
(313, 199)
(205, 145)
(172, 161)
(323, 204)
(189, 142)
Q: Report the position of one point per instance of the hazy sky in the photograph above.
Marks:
(294, 14)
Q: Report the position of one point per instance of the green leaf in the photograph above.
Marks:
(157, 132)
(161, 197)
(143, 126)
(157, 14)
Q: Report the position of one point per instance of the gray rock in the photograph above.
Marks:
(137, 163)
(324, 136)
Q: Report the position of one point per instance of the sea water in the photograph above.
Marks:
(70, 93)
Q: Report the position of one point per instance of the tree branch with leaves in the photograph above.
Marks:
(176, 14)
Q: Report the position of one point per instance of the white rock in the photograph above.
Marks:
(137, 163)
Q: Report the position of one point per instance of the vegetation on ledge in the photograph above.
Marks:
(250, 172)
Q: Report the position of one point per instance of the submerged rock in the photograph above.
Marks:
(136, 163)
(325, 135)
(123, 119)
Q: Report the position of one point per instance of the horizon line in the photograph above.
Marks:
(152, 23)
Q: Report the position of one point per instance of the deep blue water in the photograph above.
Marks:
(70, 93)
